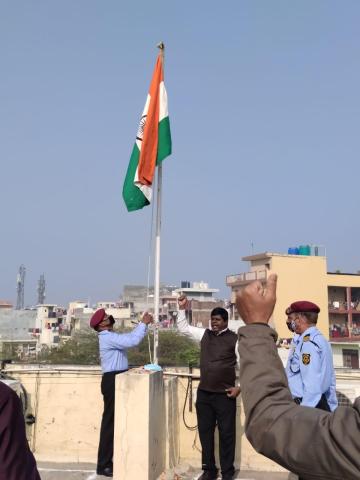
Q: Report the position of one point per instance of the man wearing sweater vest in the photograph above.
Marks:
(216, 395)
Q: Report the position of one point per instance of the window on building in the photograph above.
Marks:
(350, 358)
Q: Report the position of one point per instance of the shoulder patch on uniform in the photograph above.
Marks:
(306, 338)
(306, 358)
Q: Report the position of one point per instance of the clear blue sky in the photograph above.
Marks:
(264, 107)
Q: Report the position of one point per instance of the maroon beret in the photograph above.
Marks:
(302, 306)
(97, 318)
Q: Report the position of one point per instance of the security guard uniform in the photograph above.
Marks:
(309, 369)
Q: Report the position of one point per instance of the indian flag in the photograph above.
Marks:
(152, 145)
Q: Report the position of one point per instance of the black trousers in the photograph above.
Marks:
(106, 443)
(212, 409)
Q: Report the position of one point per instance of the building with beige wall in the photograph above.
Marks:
(300, 277)
(305, 277)
(6, 304)
(344, 318)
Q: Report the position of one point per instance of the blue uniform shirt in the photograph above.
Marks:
(310, 369)
(113, 347)
(292, 369)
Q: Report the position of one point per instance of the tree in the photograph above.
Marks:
(82, 348)
(174, 350)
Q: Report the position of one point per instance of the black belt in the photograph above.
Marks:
(115, 372)
(322, 405)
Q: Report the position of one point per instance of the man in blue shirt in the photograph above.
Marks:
(113, 356)
(310, 368)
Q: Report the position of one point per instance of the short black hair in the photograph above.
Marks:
(220, 311)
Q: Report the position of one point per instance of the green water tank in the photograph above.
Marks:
(304, 250)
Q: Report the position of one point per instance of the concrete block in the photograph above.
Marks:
(140, 425)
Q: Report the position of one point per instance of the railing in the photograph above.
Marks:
(339, 332)
(246, 277)
(336, 305)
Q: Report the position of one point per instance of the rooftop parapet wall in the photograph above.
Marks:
(68, 406)
(343, 280)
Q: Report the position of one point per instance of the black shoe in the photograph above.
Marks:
(230, 476)
(209, 475)
(105, 472)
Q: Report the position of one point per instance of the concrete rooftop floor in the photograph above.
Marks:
(86, 471)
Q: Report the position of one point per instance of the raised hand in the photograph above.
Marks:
(147, 318)
(183, 302)
(255, 303)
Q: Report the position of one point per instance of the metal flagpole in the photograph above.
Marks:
(157, 265)
(157, 250)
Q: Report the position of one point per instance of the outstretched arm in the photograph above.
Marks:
(133, 338)
(310, 442)
(183, 325)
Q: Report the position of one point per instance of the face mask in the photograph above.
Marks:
(290, 325)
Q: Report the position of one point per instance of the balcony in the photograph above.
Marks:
(344, 307)
(245, 278)
(343, 331)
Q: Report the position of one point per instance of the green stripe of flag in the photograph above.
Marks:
(133, 197)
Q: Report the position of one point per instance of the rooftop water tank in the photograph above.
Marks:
(304, 250)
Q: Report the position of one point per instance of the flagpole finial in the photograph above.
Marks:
(161, 45)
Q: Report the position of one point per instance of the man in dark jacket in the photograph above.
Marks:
(16, 460)
(216, 395)
(315, 444)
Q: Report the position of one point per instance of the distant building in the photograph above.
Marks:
(106, 305)
(200, 310)
(78, 315)
(50, 324)
(78, 306)
(122, 313)
(141, 298)
(16, 324)
(201, 302)
(6, 304)
(16, 339)
(20, 349)
(343, 291)
(199, 291)
(305, 277)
